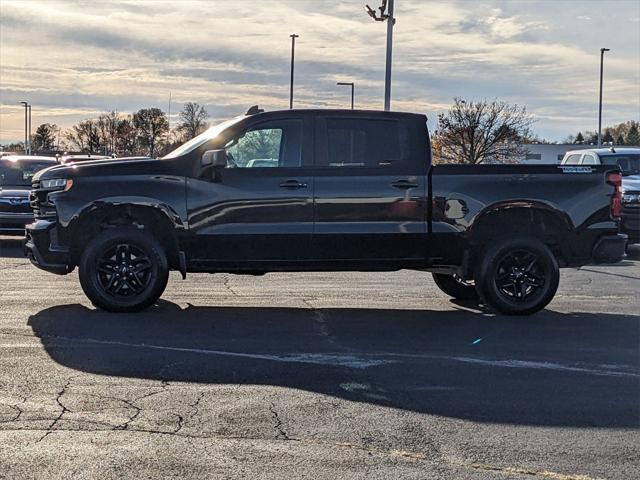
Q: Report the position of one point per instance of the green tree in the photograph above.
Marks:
(607, 138)
(45, 137)
(476, 131)
(151, 125)
(579, 138)
(633, 136)
(620, 140)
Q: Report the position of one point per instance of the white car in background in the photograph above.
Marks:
(629, 161)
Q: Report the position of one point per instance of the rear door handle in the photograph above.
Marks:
(404, 184)
(293, 184)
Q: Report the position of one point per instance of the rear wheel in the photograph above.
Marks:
(517, 276)
(455, 286)
(123, 270)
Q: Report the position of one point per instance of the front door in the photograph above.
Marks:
(369, 189)
(260, 207)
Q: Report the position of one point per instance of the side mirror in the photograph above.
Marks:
(214, 158)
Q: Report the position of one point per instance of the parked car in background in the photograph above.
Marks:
(84, 157)
(628, 159)
(16, 172)
(6, 154)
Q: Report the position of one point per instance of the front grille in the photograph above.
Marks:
(14, 205)
(39, 202)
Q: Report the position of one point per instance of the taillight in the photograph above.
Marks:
(615, 179)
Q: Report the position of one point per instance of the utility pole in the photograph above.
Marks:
(390, 19)
(602, 50)
(351, 84)
(26, 128)
(30, 152)
(293, 53)
(169, 115)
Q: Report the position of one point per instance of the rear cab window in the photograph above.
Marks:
(369, 145)
(573, 159)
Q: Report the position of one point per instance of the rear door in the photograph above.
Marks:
(370, 187)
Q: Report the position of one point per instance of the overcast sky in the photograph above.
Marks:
(74, 60)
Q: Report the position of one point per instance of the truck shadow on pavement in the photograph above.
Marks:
(11, 247)
(554, 369)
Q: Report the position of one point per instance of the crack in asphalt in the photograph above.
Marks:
(228, 287)
(280, 433)
(62, 412)
(526, 472)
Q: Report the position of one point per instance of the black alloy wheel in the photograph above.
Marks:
(456, 286)
(520, 275)
(123, 270)
(517, 276)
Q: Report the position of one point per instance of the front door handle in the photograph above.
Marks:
(293, 184)
(404, 184)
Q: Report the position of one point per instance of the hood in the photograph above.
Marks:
(104, 167)
(631, 183)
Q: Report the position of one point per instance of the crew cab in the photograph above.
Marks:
(309, 190)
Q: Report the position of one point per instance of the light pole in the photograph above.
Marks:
(30, 129)
(602, 50)
(293, 53)
(26, 128)
(390, 23)
(351, 84)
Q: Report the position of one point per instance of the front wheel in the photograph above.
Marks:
(517, 276)
(123, 270)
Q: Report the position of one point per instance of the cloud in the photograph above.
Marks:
(87, 57)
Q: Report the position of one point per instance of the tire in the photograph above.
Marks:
(116, 286)
(517, 276)
(455, 287)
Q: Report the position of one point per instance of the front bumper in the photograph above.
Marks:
(41, 247)
(610, 248)
(14, 223)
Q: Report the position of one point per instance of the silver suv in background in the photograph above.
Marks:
(629, 161)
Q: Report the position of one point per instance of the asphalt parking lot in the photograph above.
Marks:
(318, 375)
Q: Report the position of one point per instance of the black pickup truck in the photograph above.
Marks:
(302, 190)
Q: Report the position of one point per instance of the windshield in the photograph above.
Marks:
(629, 163)
(14, 173)
(203, 138)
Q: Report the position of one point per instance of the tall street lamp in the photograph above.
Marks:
(293, 53)
(30, 152)
(26, 127)
(390, 23)
(351, 84)
(602, 50)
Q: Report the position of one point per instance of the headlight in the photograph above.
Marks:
(57, 184)
(631, 198)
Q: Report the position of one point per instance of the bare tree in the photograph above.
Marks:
(151, 125)
(472, 132)
(84, 136)
(107, 125)
(126, 137)
(192, 120)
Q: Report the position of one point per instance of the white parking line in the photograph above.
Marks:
(364, 360)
